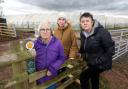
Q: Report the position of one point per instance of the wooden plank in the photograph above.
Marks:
(19, 68)
(61, 76)
(3, 26)
(52, 81)
(5, 34)
(34, 77)
(66, 83)
(3, 23)
(33, 84)
(37, 75)
(7, 30)
(16, 69)
(9, 33)
(22, 57)
(19, 78)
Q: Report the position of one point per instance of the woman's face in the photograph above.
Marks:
(45, 32)
(61, 22)
(86, 23)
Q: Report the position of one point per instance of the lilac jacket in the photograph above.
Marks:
(50, 56)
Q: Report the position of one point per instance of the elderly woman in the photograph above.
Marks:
(49, 53)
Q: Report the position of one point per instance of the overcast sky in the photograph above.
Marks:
(119, 7)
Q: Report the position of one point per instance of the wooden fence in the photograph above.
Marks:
(7, 30)
(21, 79)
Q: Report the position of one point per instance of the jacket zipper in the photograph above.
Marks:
(62, 35)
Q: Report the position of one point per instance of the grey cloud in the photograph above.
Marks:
(71, 5)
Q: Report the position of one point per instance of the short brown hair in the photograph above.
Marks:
(86, 14)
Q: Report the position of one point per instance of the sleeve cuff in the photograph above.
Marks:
(52, 70)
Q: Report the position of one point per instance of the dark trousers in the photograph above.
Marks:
(89, 78)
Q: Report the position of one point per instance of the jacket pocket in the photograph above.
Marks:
(103, 63)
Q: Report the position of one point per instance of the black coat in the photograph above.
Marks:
(98, 48)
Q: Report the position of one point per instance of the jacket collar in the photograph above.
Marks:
(65, 27)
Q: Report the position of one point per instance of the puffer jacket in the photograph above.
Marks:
(68, 39)
(98, 47)
(49, 57)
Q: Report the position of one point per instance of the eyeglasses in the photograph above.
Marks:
(45, 30)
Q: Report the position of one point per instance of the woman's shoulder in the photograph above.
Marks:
(36, 40)
(55, 39)
(58, 41)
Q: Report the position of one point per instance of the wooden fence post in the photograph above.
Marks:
(18, 68)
